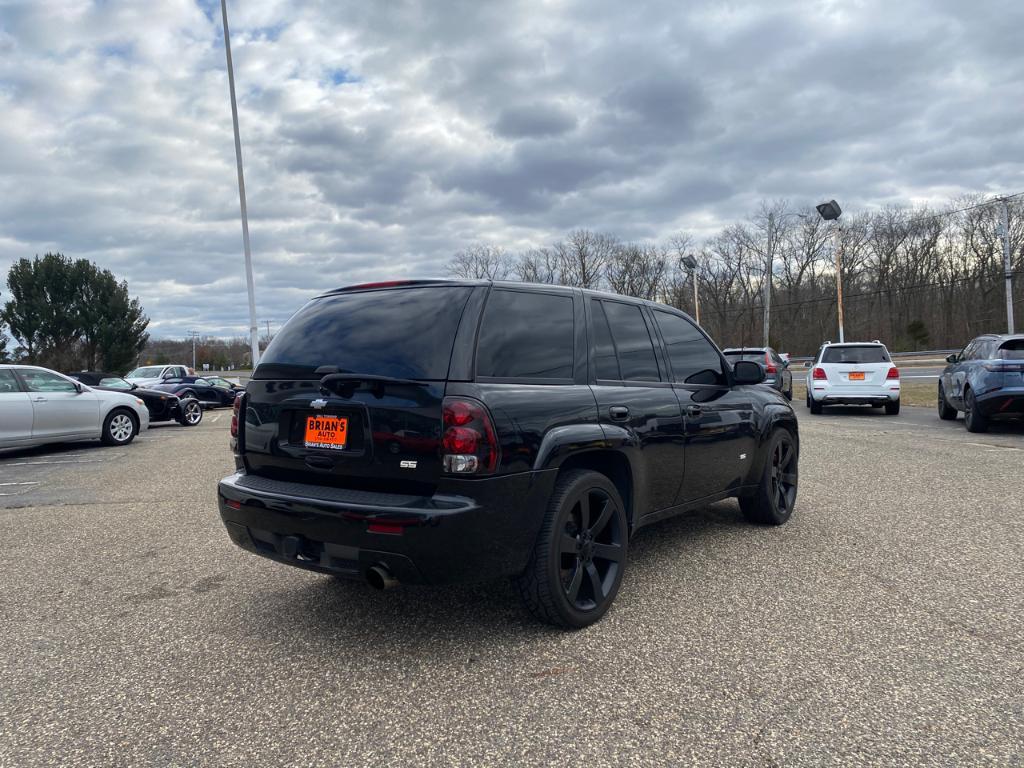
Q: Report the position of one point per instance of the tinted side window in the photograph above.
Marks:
(605, 364)
(694, 359)
(526, 336)
(632, 342)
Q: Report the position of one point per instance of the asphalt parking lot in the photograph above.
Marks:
(883, 626)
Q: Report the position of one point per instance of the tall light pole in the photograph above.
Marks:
(690, 263)
(770, 270)
(254, 341)
(193, 334)
(1004, 231)
(831, 211)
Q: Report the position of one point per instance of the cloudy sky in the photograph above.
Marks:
(380, 136)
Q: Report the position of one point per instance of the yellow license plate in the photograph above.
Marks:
(329, 432)
(857, 376)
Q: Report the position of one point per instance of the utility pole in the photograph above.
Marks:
(839, 278)
(254, 341)
(696, 303)
(1004, 231)
(769, 268)
(193, 334)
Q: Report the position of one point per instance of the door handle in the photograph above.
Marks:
(619, 413)
(693, 410)
(40, 399)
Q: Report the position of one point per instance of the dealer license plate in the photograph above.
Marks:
(330, 432)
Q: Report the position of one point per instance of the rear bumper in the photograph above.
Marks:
(1006, 401)
(474, 530)
(829, 395)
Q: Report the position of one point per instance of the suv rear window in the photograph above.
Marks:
(1012, 350)
(406, 333)
(866, 353)
(526, 335)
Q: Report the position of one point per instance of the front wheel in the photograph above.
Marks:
(578, 561)
(892, 408)
(119, 428)
(191, 413)
(772, 503)
(946, 411)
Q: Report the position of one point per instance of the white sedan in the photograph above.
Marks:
(39, 406)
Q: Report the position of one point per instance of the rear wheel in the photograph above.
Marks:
(577, 563)
(946, 411)
(974, 420)
(789, 392)
(772, 503)
(813, 404)
(119, 428)
(892, 408)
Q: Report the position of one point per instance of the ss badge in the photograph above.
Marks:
(406, 464)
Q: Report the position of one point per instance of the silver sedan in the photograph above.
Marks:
(39, 406)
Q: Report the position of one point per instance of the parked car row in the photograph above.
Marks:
(39, 406)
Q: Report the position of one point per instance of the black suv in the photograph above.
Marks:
(439, 431)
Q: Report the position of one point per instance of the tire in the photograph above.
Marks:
(772, 502)
(191, 414)
(119, 428)
(579, 558)
(892, 408)
(946, 411)
(813, 404)
(974, 420)
(789, 393)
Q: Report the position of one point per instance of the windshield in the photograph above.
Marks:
(734, 354)
(867, 353)
(404, 333)
(146, 372)
(114, 383)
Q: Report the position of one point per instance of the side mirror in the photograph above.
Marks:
(747, 372)
(951, 358)
(78, 387)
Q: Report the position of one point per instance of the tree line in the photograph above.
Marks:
(70, 315)
(915, 278)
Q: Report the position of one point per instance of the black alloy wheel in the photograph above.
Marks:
(946, 411)
(775, 497)
(578, 562)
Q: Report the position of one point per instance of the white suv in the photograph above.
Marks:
(857, 373)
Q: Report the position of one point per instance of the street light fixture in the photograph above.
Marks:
(831, 211)
(690, 263)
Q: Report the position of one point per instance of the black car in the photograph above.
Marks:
(161, 405)
(212, 392)
(440, 431)
(985, 381)
(777, 373)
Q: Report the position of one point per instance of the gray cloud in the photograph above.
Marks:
(379, 138)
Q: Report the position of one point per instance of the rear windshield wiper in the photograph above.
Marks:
(349, 381)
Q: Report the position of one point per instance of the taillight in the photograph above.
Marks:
(1003, 367)
(818, 374)
(769, 367)
(894, 373)
(470, 444)
(234, 416)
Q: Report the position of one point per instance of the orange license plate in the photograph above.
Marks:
(329, 432)
(857, 376)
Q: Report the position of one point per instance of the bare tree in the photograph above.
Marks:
(583, 257)
(537, 266)
(481, 262)
(638, 270)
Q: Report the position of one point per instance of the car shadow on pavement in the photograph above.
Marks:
(355, 618)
